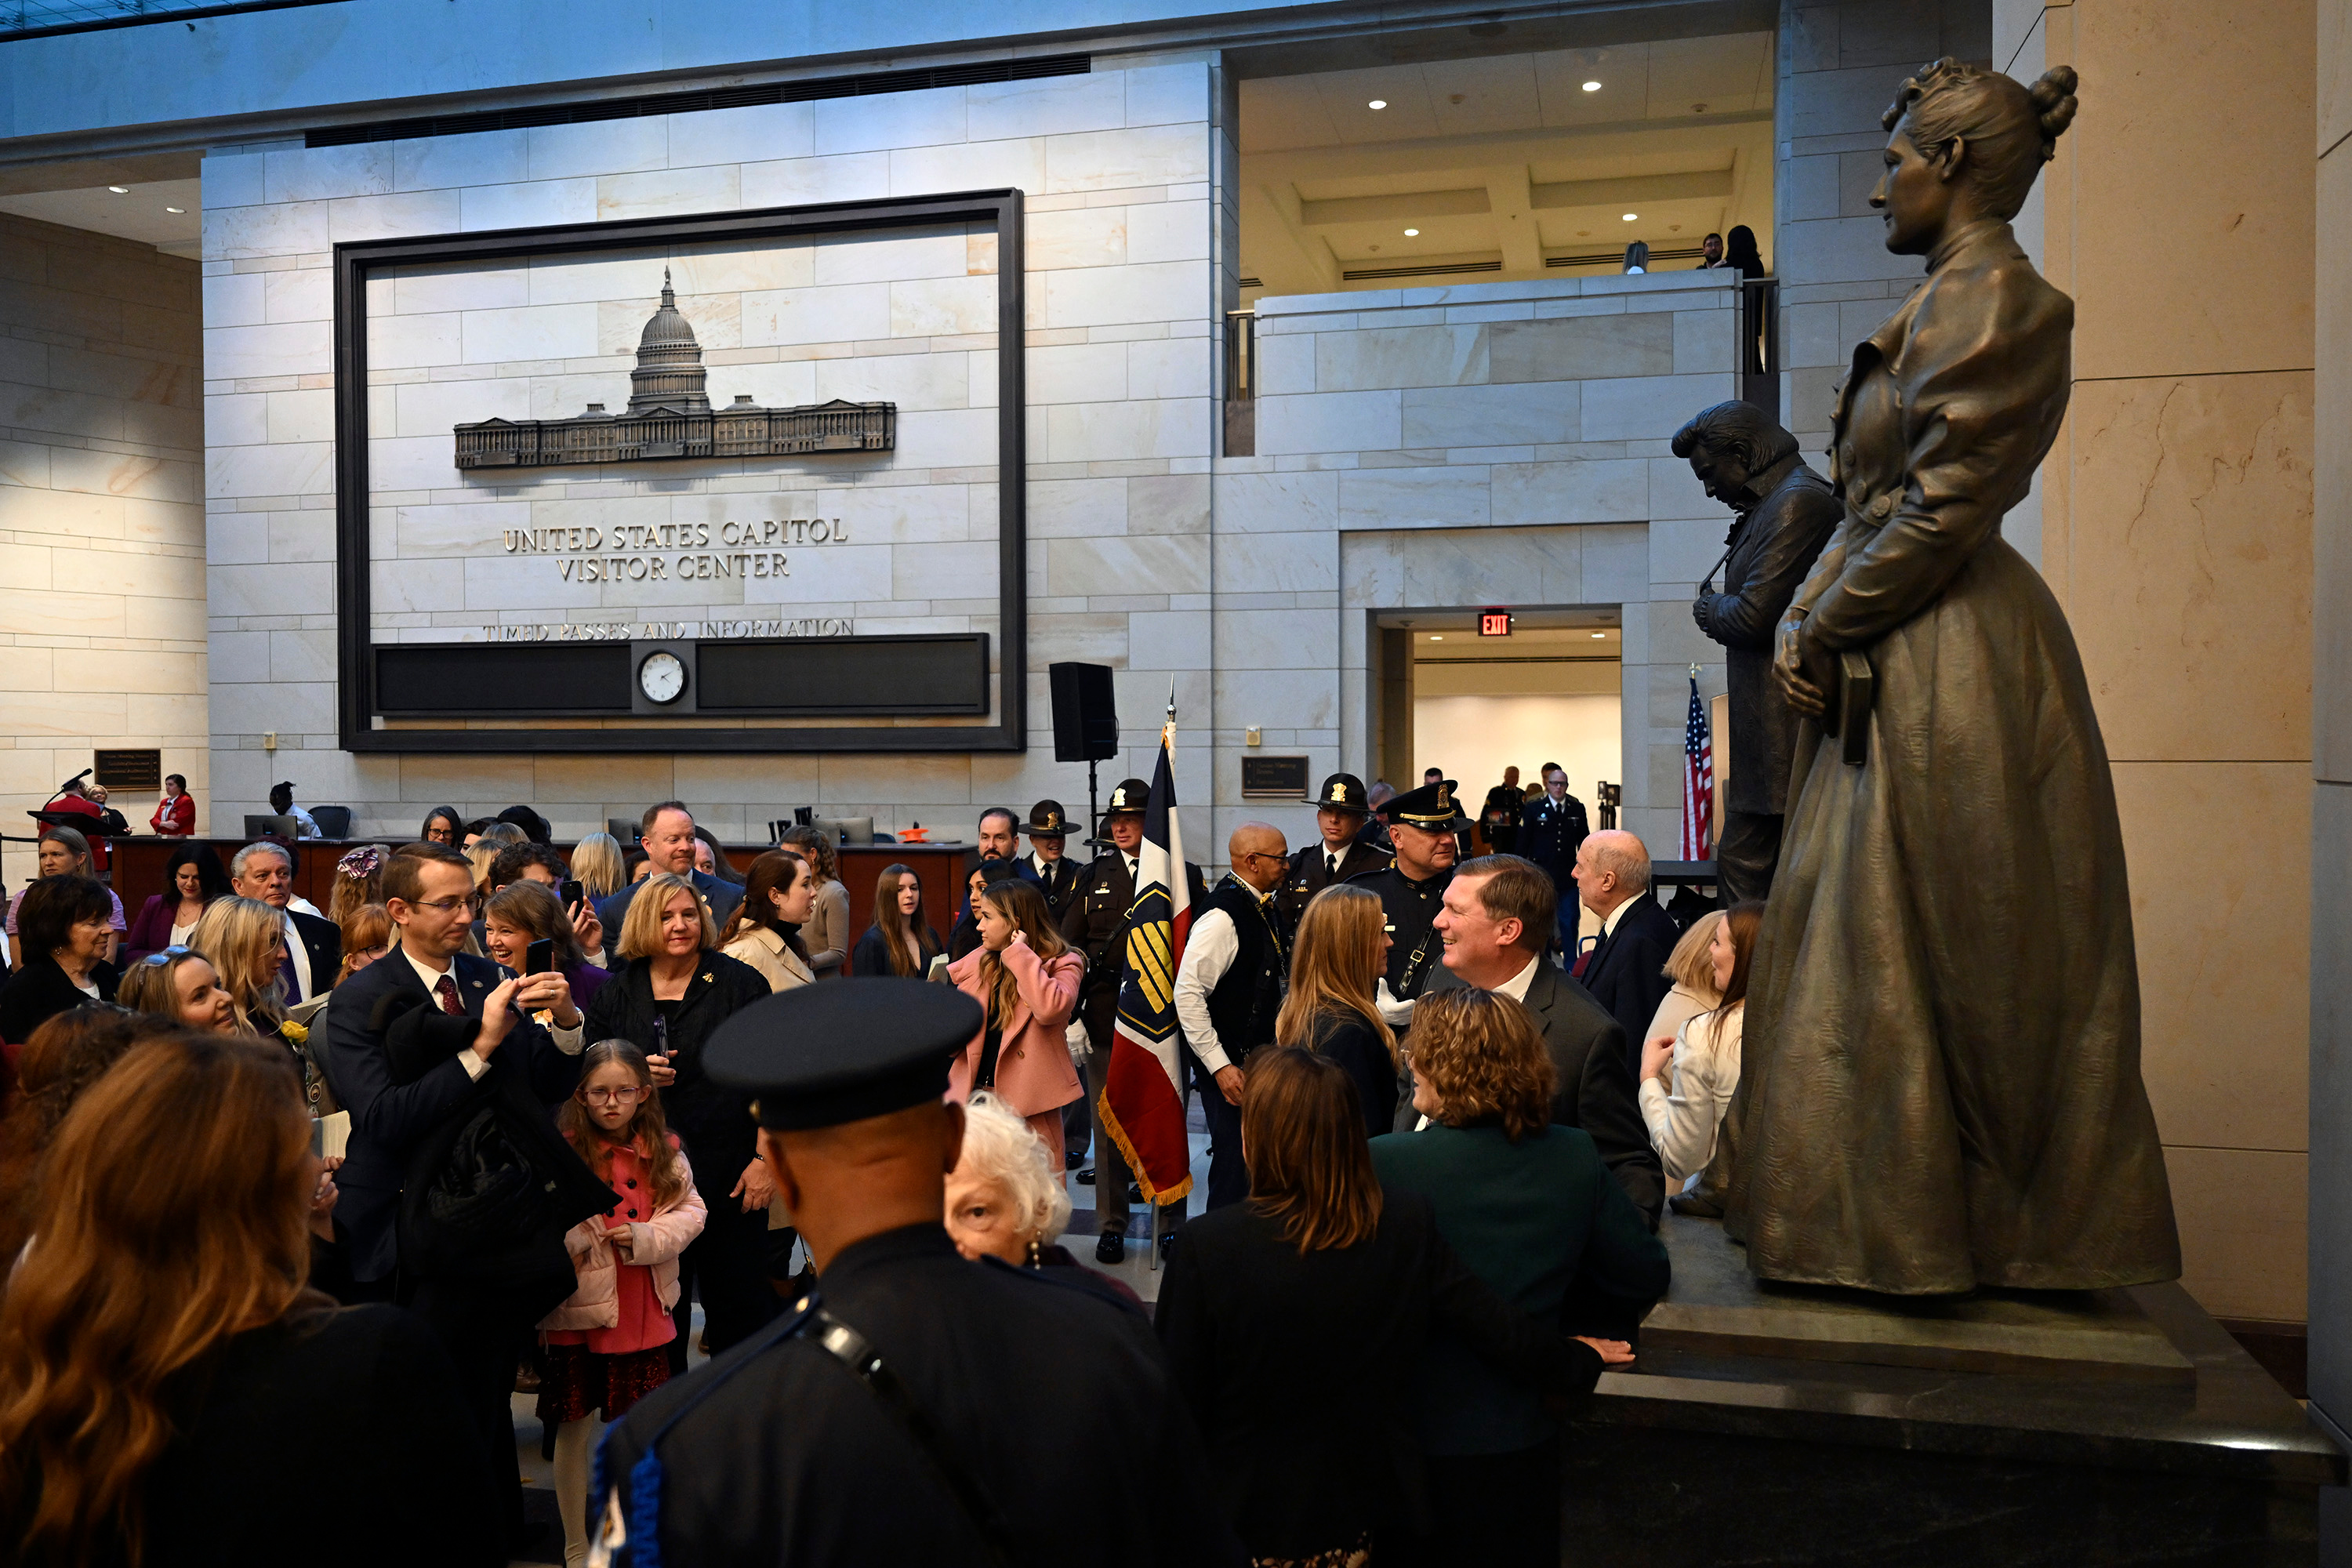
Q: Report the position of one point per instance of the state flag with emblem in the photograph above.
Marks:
(1142, 1105)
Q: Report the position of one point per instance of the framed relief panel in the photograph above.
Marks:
(746, 482)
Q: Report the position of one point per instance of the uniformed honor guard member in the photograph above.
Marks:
(1096, 924)
(1422, 825)
(1057, 875)
(915, 1407)
(1342, 810)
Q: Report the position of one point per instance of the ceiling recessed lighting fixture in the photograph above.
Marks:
(175, 209)
(1379, 103)
(1410, 232)
(1436, 638)
(1631, 217)
(1593, 86)
(120, 190)
(1600, 637)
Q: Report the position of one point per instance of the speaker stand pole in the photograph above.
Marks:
(1094, 813)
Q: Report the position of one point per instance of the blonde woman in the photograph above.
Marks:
(827, 930)
(597, 861)
(1336, 964)
(1693, 971)
(1688, 1077)
(246, 940)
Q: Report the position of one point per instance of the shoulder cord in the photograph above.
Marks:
(641, 1530)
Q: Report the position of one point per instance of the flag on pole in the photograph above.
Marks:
(1142, 1104)
(1699, 781)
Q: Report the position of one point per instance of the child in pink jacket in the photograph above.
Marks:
(604, 1346)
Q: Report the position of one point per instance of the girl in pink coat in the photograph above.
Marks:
(1026, 979)
(604, 1346)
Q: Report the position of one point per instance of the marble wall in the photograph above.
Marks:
(1122, 297)
(101, 533)
(2177, 514)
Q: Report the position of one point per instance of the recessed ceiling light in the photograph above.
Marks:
(1433, 638)
(1410, 232)
(175, 209)
(1379, 103)
(1600, 637)
(1593, 86)
(1631, 217)
(120, 190)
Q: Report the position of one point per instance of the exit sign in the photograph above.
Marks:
(1495, 623)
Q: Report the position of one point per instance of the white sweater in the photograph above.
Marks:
(1706, 1069)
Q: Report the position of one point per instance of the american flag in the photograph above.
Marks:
(1699, 781)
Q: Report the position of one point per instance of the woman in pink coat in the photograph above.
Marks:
(1026, 978)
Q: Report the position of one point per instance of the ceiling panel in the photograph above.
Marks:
(141, 212)
(1348, 97)
(1467, 97)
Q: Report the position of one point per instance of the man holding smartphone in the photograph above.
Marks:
(428, 889)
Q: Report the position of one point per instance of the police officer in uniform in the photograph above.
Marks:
(1057, 875)
(915, 1407)
(1096, 924)
(1342, 810)
(1422, 825)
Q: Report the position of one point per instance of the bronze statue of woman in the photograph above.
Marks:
(1942, 1085)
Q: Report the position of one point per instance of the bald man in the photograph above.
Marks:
(1626, 973)
(1229, 989)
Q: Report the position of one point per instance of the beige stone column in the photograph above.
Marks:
(2177, 529)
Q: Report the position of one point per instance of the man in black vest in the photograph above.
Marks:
(1057, 876)
(1341, 811)
(1422, 825)
(1784, 512)
(1228, 989)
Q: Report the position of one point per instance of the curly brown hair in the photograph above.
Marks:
(1483, 1056)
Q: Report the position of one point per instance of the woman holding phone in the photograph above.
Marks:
(673, 990)
(525, 913)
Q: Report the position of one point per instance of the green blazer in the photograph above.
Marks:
(1542, 1222)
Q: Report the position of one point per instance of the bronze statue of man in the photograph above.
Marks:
(1941, 1077)
(1782, 514)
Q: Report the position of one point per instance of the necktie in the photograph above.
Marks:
(1332, 866)
(445, 990)
(286, 970)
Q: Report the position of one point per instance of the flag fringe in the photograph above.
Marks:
(1106, 1123)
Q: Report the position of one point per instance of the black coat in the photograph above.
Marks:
(714, 1123)
(1348, 1040)
(391, 1116)
(331, 1432)
(1549, 835)
(1773, 547)
(1301, 1368)
(1627, 973)
(1592, 1087)
(1043, 1391)
(871, 956)
(323, 945)
(41, 991)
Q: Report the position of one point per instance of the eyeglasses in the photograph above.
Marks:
(447, 906)
(166, 955)
(628, 1095)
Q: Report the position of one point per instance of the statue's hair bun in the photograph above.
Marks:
(2054, 101)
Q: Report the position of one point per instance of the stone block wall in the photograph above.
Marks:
(101, 526)
(1494, 443)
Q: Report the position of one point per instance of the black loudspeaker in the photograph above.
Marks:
(1086, 718)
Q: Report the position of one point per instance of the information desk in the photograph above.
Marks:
(139, 863)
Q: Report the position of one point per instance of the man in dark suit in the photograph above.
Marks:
(1342, 810)
(314, 947)
(1627, 973)
(1496, 922)
(666, 833)
(1057, 875)
(1096, 924)
(1783, 514)
(428, 890)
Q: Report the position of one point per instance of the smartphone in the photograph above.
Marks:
(572, 894)
(541, 958)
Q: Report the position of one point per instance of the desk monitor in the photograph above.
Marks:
(847, 829)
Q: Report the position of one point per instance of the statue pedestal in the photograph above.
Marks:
(1778, 1424)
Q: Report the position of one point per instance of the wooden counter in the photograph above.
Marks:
(139, 863)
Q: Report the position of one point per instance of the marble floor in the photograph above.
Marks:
(1136, 1272)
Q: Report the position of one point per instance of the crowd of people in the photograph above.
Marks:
(508, 1113)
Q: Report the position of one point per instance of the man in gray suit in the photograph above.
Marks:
(1496, 923)
(1784, 513)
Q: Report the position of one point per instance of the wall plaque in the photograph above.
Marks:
(1274, 778)
(830, 556)
(136, 770)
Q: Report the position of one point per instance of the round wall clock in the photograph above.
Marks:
(662, 678)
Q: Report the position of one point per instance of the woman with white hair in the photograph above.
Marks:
(1005, 1200)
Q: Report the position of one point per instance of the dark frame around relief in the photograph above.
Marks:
(355, 704)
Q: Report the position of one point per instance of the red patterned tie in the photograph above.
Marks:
(446, 990)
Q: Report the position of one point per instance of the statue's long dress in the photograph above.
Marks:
(1942, 1083)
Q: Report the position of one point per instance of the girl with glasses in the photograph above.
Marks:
(605, 1344)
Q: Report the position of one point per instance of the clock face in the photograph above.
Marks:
(661, 677)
